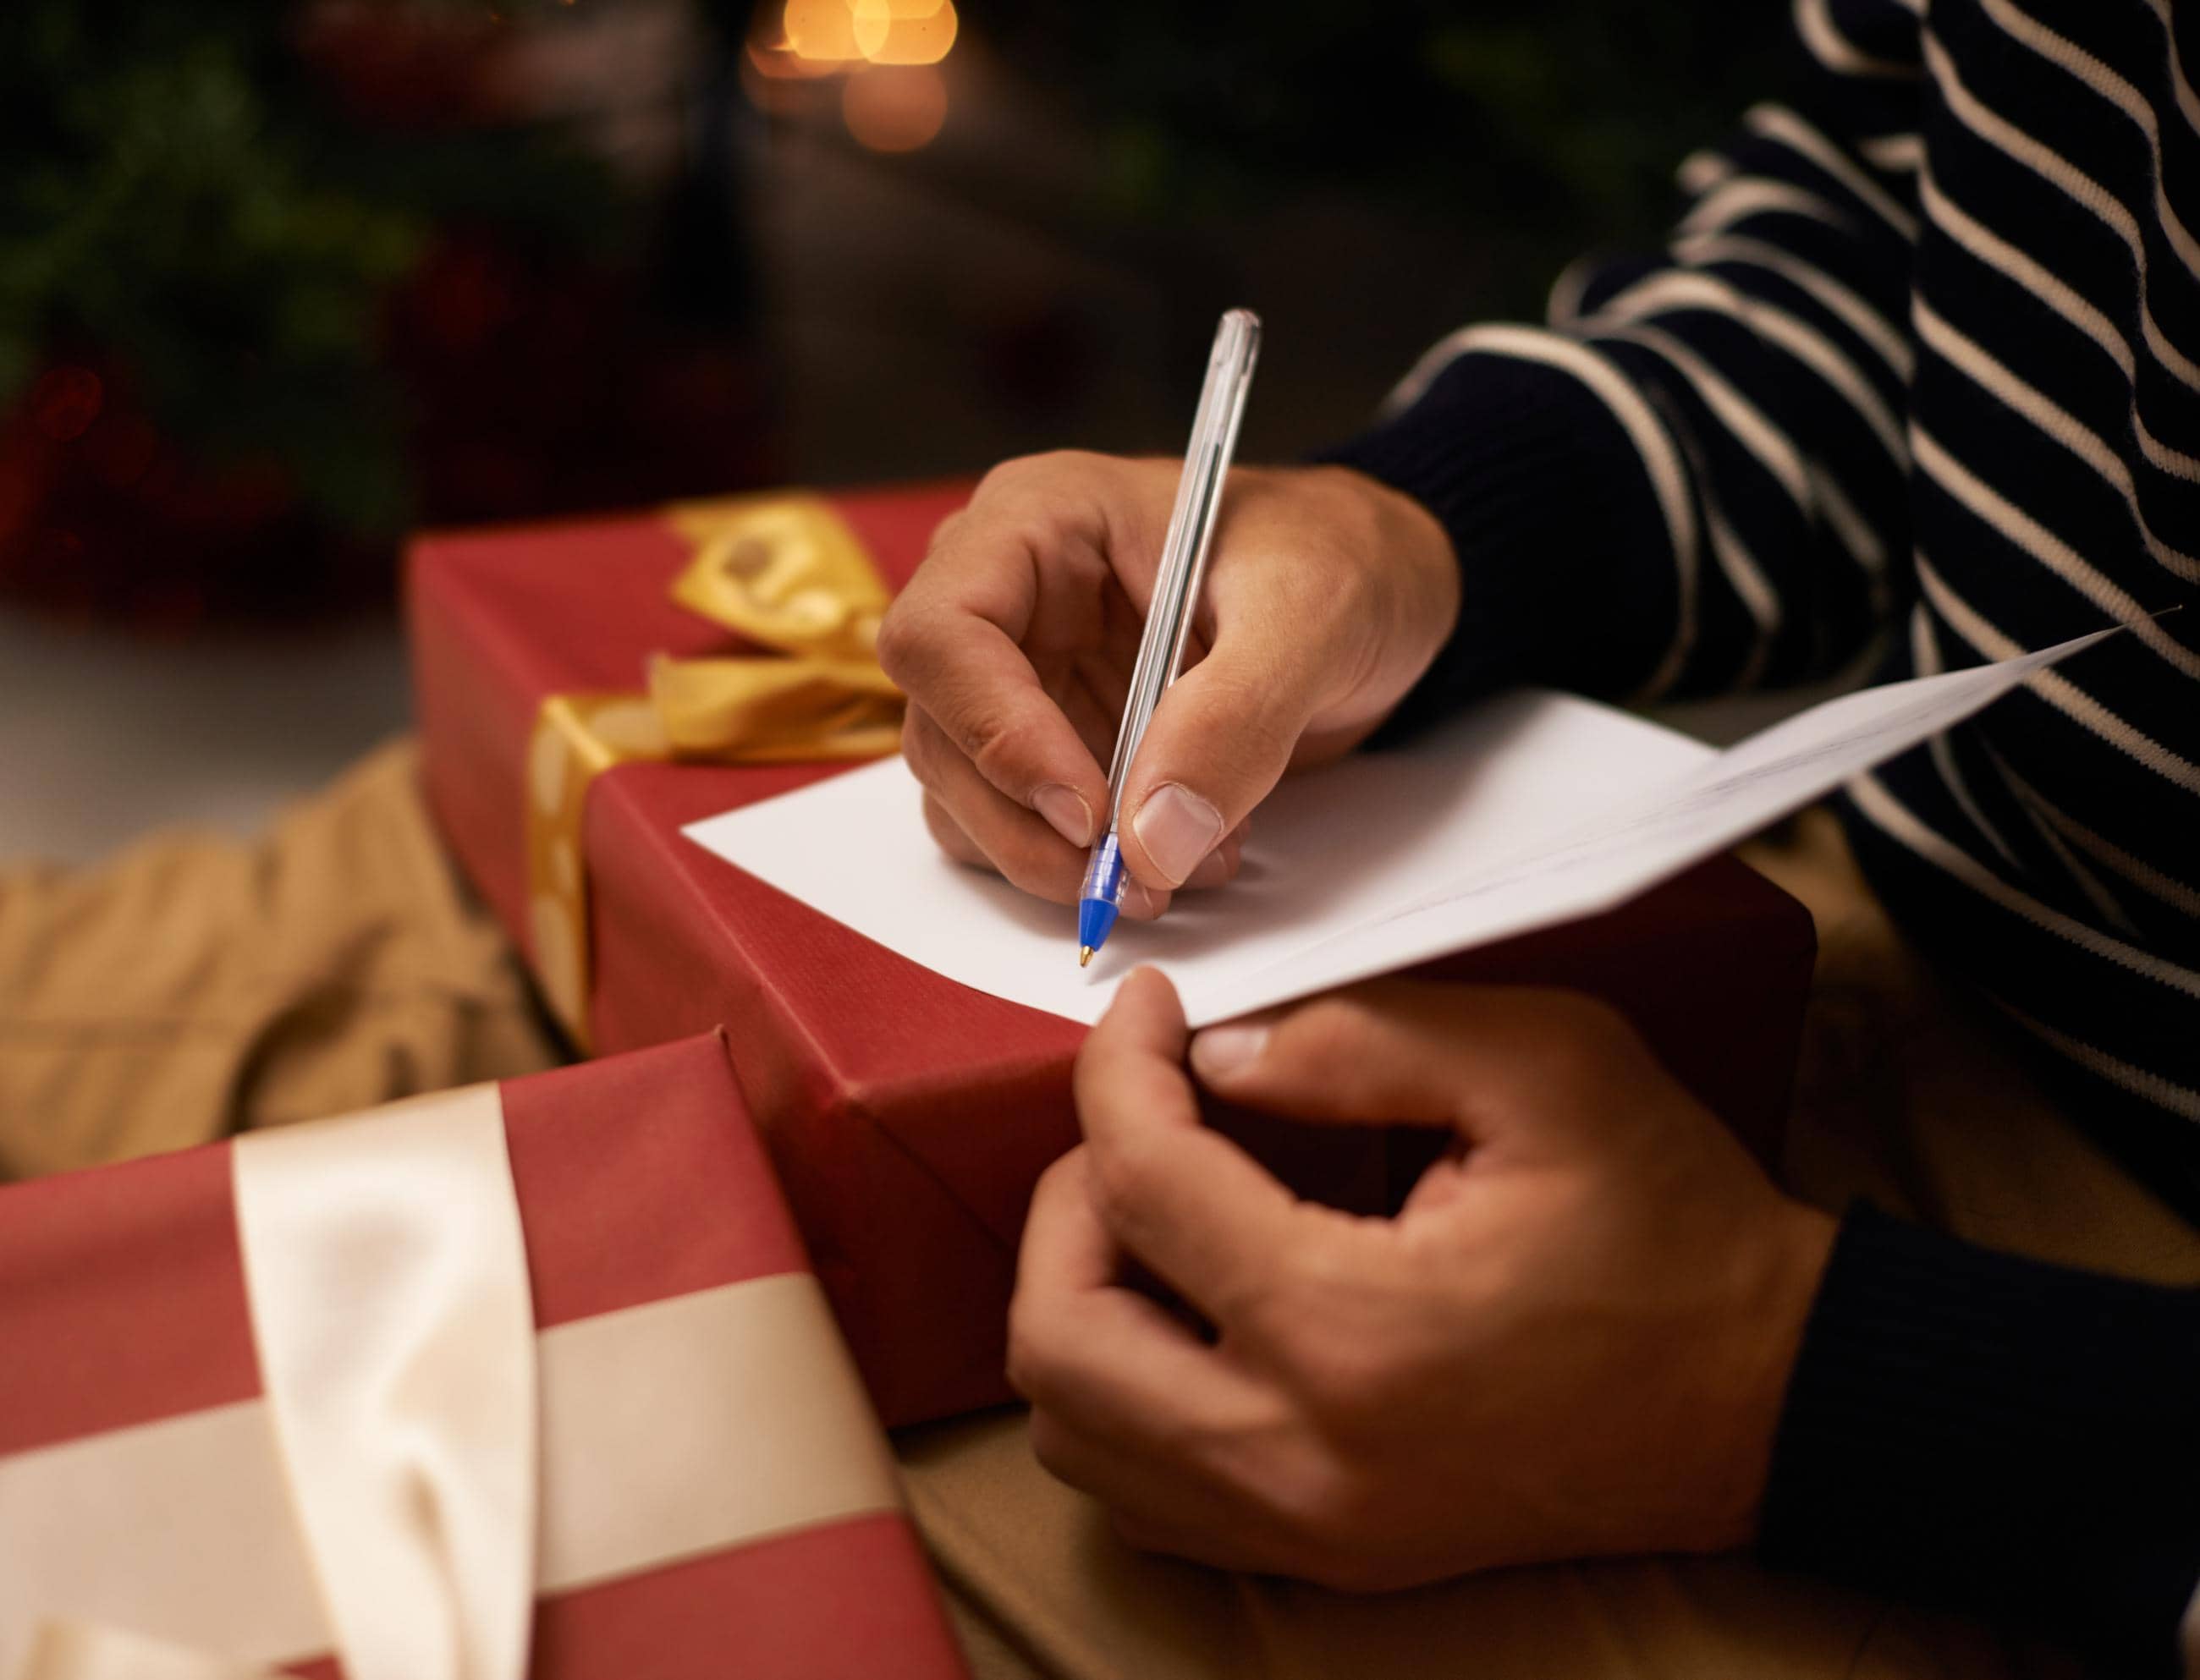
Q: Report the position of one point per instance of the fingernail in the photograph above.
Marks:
(1178, 828)
(1224, 1050)
(1065, 813)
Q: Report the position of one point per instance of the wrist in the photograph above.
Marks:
(1781, 1288)
(1546, 501)
(1416, 603)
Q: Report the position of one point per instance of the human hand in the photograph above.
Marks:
(1328, 594)
(1574, 1340)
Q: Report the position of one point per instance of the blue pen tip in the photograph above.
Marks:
(1094, 916)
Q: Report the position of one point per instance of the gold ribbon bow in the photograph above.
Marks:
(783, 571)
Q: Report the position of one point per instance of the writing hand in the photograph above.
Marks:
(1327, 595)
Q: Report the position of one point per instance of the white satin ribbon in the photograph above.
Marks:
(387, 1281)
(669, 1430)
(66, 1650)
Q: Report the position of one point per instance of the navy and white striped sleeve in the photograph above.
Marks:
(1693, 479)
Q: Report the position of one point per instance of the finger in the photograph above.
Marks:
(1219, 741)
(1151, 1504)
(1183, 1199)
(1140, 903)
(950, 642)
(1018, 842)
(1125, 1398)
(1091, 696)
(1219, 1545)
(1221, 865)
(1095, 723)
(1110, 1359)
(1475, 1057)
(996, 832)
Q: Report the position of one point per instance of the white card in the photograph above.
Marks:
(1533, 810)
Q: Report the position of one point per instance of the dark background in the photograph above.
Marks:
(281, 279)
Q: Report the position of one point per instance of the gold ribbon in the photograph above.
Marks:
(783, 571)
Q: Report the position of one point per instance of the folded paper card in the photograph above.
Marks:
(1533, 810)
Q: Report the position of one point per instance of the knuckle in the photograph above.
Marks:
(1248, 686)
(944, 536)
(920, 747)
(1050, 465)
(906, 635)
(1023, 473)
(1350, 1385)
(991, 742)
(946, 530)
(1340, 1527)
(1333, 1027)
(1032, 1366)
(1357, 1389)
(1005, 475)
(1323, 1316)
(1051, 1445)
(1123, 1174)
(1308, 1503)
(947, 834)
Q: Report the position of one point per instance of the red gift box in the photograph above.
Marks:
(137, 1418)
(909, 1116)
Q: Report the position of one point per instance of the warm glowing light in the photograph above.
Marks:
(779, 61)
(895, 110)
(822, 30)
(905, 32)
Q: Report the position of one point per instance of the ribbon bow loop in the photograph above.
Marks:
(784, 572)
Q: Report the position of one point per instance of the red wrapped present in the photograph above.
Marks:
(908, 1116)
(528, 1379)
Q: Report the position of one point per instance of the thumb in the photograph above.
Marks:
(1476, 1059)
(1219, 742)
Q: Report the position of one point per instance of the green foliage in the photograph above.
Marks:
(178, 193)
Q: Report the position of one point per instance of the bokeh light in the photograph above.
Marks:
(905, 32)
(779, 61)
(873, 48)
(897, 110)
(823, 30)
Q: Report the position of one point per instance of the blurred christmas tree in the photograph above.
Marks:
(280, 277)
(184, 196)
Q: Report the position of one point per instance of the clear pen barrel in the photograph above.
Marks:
(1103, 873)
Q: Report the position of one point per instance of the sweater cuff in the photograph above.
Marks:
(1993, 1434)
(1567, 574)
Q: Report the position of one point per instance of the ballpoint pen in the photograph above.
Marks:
(1175, 600)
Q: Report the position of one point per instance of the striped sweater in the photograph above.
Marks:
(1923, 353)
